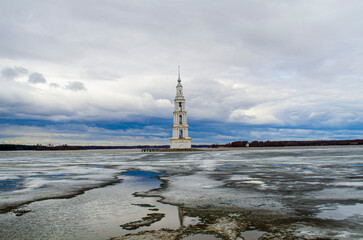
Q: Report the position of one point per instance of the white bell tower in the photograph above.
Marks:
(180, 137)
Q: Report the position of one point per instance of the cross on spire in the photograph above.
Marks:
(179, 80)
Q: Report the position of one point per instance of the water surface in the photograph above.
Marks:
(323, 183)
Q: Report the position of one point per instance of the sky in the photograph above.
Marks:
(104, 72)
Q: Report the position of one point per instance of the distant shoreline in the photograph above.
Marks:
(166, 148)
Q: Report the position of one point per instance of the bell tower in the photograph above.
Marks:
(180, 137)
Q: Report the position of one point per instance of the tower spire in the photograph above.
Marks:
(179, 80)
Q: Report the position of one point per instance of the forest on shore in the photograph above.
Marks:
(290, 143)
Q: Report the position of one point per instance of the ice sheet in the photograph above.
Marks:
(301, 181)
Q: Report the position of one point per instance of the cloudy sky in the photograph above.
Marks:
(104, 72)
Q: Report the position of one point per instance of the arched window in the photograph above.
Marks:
(181, 134)
(180, 119)
(180, 106)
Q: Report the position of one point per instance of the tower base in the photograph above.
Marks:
(180, 143)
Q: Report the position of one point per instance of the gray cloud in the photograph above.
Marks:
(79, 134)
(35, 78)
(54, 85)
(282, 63)
(12, 73)
(76, 86)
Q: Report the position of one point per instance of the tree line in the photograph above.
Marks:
(289, 143)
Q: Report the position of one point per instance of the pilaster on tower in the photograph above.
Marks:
(180, 138)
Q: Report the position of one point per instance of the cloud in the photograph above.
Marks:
(35, 78)
(76, 86)
(159, 133)
(280, 64)
(12, 73)
(20, 100)
(79, 134)
(54, 85)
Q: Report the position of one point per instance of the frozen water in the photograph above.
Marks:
(201, 237)
(97, 214)
(314, 182)
(340, 212)
(252, 235)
